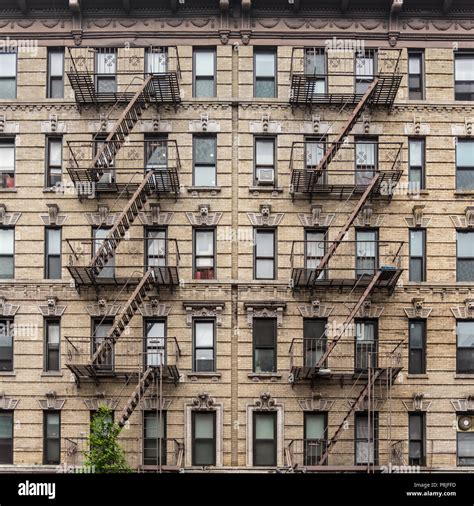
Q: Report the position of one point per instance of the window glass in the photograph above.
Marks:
(204, 334)
(465, 153)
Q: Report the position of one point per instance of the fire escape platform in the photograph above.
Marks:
(87, 371)
(164, 89)
(303, 86)
(302, 373)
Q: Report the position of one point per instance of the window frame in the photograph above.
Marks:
(376, 257)
(10, 444)
(49, 167)
(462, 231)
(163, 50)
(272, 321)
(146, 322)
(461, 54)
(306, 322)
(148, 230)
(269, 51)
(423, 322)
(375, 437)
(12, 256)
(50, 77)
(267, 414)
(100, 76)
(257, 167)
(357, 78)
(212, 413)
(209, 49)
(375, 351)
(422, 458)
(458, 348)
(411, 257)
(422, 167)
(458, 432)
(48, 348)
(9, 141)
(163, 414)
(266, 231)
(8, 322)
(419, 53)
(48, 255)
(96, 322)
(306, 457)
(214, 255)
(10, 78)
(197, 165)
(196, 321)
(470, 168)
(47, 461)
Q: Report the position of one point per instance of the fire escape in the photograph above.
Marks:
(357, 174)
(100, 263)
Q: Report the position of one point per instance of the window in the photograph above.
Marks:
(156, 152)
(314, 340)
(416, 162)
(100, 329)
(7, 75)
(464, 76)
(365, 160)
(315, 249)
(204, 158)
(204, 73)
(366, 345)
(314, 152)
(264, 439)
(366, 439)
(465, 256)
(52, 437)
(415, 75)
(315, 67)
(465, 164)
(315, 435)
(264, 65)
(417, 255)
(264, 254)
(417, 345)
(465, 448)
(465, 347)
(106, 70)
(204, 346)
(108, 175)
(156, 60)
(7, 253)
(6, 437)
(204, 255)
(99, 234)
(52, 345)
(416, 439)
(204, 438)
(155, 247)
(155, 343)
(6, 344)
(154, 438)
(365, 70)
(7, 163)
(55, 73)
(54, 160)
(264, 345)
(265, 161)
(52, 253)
(367, 252)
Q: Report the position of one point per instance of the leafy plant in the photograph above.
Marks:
(105, 454)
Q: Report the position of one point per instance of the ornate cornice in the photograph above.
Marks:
(7, 402)
(154, 308)
(51, 401)
(51, 308)
(203, 309)
(103, 308)
(417, 403)
(100, 399)
(315, 403)
(7, 309)
(265, 310)
(315, 310)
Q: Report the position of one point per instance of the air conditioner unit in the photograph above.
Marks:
(265, 176)
(466, 423)
(106, 178)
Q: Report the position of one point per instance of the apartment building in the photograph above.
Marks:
(246, 226)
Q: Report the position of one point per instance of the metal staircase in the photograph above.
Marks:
(145, 381)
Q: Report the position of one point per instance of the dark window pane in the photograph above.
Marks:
(416, 269)
(465, 270)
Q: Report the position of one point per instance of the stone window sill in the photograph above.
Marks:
(7, 373)
(264, 376)
(46, 374)
(265, 189)
(464, 193)
(8, 190)
(197, 189)
(417, 376)
(195, 376)
(464, 376)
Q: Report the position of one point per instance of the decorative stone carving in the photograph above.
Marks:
(156, 216)
(265, 402)
(317, 218)
(204, 124)
(152, 403)
(204, 309)
(316, 126)
(8, 127)
(7, 309)
(366, 218)
(100, 399)
(51, 308)
(265, 310)
(53, 126)
(417, 310)
(265, 125)
(316, 403)
(368, 310)
(51, 401)
(102, 218)
(204, 217)
(53, 218)
(417, 403)
(6, 402)
(154, 308)
(417, 127)
(203, 402)
(363, 404)
(315, 310)
(156, 125)
(463, 405)
(103, 308)
(265, 218)
(466, 221)
(464, 312)
(418, 220)
(8, 219)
